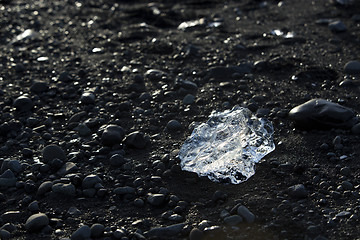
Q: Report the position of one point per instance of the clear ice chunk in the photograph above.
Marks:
(227, 146)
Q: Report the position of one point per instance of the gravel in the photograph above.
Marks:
(98, 97)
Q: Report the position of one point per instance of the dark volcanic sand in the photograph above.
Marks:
(106, 47)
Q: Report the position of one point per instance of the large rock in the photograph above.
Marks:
(322, 114)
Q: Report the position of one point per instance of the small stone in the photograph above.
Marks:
(248, 216)
(4, 234)
(117, 160)
(77, 117)
(73, 211)
(347, 185)
(165, 232)
(52, 152)
(83, 233)
(119, 233)
(66, 189)
(14, 165)
(138, 202)
(68, 167)
(345, 171)
(175, 218)
(39, 87)
(352, 67)
(87, 98)
(83, 130)
(89, 192)
(33, 206)
(337, 26)
(173, 125)
(298, 191)
(44, 188)
(319, 113)
(36, 222)
(189, 99)
(90, 181)
(136, 140)
(155, 75)
(124, 190)
(97, 230)
(11, 216)
(231, 72)
(23, 104)
(156, 199)
(196, 234)
(113, 134)
(8, 179)
(356, 129)
(233, 220)
(343, 214)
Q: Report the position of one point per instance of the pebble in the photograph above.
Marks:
(248, 216)
(298, 191)
(82, 233)
(83, 130)
(14, 165)
(97, 230)
(138, 202)
(117, 160)
(189, 99)
(4, 234)
(356, 129)
(124, 190)
(155, 75)
(136, 140)
(8, 179)
(320, 113)
(175, 218)
(165, 232)
(352, 67)
(11, 216)
(68, 167)
(39, 87)
(226, 73)
(90, 181)
(52, 152)
(347, 185)
(44, 188)
(173, 125)
(113, 134)
(233, 220)
(87, 98)
(23, 104)
(337, 26)
(36, 222)
(196, 234)
(343, 214)
(34, 206)
(156, 199)
(66, 189)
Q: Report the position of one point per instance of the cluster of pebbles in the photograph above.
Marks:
(97, 97)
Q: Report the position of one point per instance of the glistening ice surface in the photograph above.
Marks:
(227, 146)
